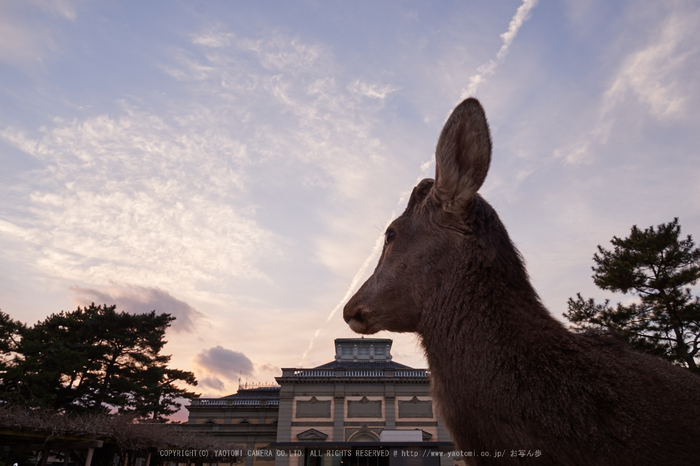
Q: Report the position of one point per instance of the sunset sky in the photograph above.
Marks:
(236, 163)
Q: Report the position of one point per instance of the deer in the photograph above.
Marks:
(505, 374)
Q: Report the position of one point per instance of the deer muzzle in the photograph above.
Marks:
(357, 317)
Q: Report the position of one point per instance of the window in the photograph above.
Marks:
(313, 408)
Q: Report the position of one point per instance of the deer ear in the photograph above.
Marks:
(462, 156)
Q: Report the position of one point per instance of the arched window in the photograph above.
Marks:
(364, 435)
(244, 421)
(210, 421)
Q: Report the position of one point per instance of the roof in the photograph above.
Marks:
(359, 365)
(364, 340)
(256, 393)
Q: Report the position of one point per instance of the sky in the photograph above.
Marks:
(235, 164)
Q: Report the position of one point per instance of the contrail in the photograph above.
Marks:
(488, 68)
(355, 281)
(424, 169)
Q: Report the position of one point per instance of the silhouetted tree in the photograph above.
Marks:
(9, 339)
(95, 359)
(658, 267)
(157, 398)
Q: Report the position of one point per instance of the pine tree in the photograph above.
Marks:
(95, 359)
(658, 267)
(9, 339)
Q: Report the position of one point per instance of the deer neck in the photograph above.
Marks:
(485, 321)
(485, 344)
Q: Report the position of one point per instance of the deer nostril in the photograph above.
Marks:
(355, 314)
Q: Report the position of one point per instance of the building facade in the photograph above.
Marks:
(362, 408)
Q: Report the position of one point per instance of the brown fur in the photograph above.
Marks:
(507, 375)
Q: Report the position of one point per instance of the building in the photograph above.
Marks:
(362, 409)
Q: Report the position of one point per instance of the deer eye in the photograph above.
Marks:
(389, 236)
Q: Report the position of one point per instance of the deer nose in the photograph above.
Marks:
(352, 312)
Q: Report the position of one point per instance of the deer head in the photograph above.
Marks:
(422, 247)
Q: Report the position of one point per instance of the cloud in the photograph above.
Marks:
(27, 34)
(140, 300)
(259, 134)
(655, 80)
(275, 51)
(62, 8)
(288, 103)
(309, 117)
(213, 39)
(488, 68)
(21, 42)
(141, 199)
(222, 362)
(657, 73)
(269, 368)
(579, 151)
(373, 91)
(212, 382)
